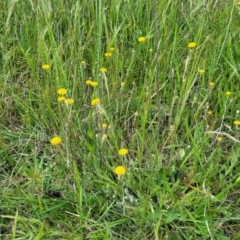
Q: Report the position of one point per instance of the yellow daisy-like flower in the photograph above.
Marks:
(95, 101)
(46, 66)
(111, 49)
(88, 82)
(93, 84)
(219, 139)
(83, 62)
(192, 45)
(201, 71)
(122, 84)
(69, 101)
(104, 136)
(108, 54)
(61, 99)
(103, 70)
(104, 126)
(120, 170)
(123, 151)
(228, 93)
(211, 84)
(55, 141)
(236, 122)
(62, 91)
(141, 39)
(209, 112)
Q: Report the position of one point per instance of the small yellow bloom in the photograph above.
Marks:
(141, 39)
(123, 151)
(88, 82)
(95, 101)
(201, 71)
(93, 84)
(104, 126)
(236, 122)
(209, 112)
(219, 139)
(192, 45)
(150, 50)
(83, 62)
(61, 99)
(228, 93)
(69, 101)
(62, 91)
(46, 66)
(103, 70)
(111, 49)
(211, 84)
(104, 136)
(56, 141)
(120, 170)
(108, 54)
(237, 4)
(122, 84)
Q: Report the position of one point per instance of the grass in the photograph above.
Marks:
(182, 178)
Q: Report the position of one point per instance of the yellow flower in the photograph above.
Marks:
(88, 82)
(83, 62)
(108, 54)
(46, 66)
(150, 50)
(237, 4)
(123, 151)
(211, 84)
(141, 39)
(122, 84)
(93, 84)
(103, 70)
(56, 141)
(201, 71)
(104, 126)
(219, 139)
(69, 101)
(236, 122)
(111, 49)
(209, 112)
(61, 99)
(192, 45)
(228, 93)
(62, 91)
(95, 101)
(104, 136)
(120, 170)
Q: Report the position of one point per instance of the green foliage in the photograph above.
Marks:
(182, 178)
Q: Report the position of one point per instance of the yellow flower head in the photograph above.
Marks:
(192, 45)
(55, 141)
(236, 122)
(93, 84)
(150, 50)
(219, 139)
(62, 91)
(108, 54)
(104, 126)
(69, 101)
(123, 151)
(120, 170)
(61, 99)
(228, 93)
(201, 71)
(46, 66)
(95, 101)
(111, 49)
(103, 70)
(211, 84)
(209, 112)
(88, 82)
(83, 62)
(141, 39)
(237, 4)
(104, 136)
(122, 84)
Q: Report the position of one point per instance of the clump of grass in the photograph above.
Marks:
(119, 121)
